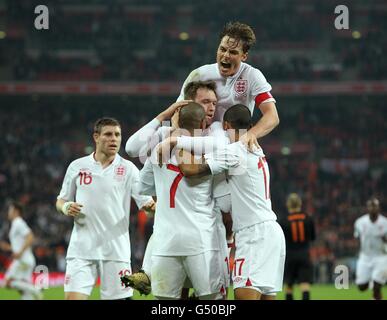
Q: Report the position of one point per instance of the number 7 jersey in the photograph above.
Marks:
(184, 221)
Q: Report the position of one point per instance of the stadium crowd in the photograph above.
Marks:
(325, 150)
(84, 38)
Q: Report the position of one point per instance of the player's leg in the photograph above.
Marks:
(259, 260)
(206, 275)
(168, 277)
(18, 277)
(111, 286)
(379, 276)
(141, 280)
(288, 291)
(377, 291)
(363, 273)
(80, 278)
(247, 294)
(290, 275)
(305, 290)
(305, 277)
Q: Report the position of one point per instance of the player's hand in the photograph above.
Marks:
(250, 141)
(5, 246)
(149, 208)
(72, 209)
(165, 149)
(168, 113)
(16, 255)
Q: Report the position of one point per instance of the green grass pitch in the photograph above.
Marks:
(318, 292)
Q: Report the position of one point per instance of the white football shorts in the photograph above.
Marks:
(371, 269)
(260, 258)
(169, 274)
(81, 276)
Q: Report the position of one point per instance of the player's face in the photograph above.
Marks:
(109, 140)
(373, 206)
(11, 212)
(229, 56)
(207, 98)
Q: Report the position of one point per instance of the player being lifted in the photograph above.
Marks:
(299, 232)
(371, 268)
(185, 241)
(96, 193)
(19, 273)
(259, 240)
(237, 81)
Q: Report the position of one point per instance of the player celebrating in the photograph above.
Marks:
(259, 240)
(237, 81)
(185, 241)
(299, 233)
(19, 273)
(202, 92)
(96, 192)
(371, 230)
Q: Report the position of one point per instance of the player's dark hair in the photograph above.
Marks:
(18, 206)
(191, 116)
(239, 116)
(103, 122)
(240, 32)
(191, 89)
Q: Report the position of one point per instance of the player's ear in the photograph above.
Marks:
(244, 56)
(95, 136)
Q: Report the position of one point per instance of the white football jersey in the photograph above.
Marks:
(17, 236)
(249, 180)
(370, 235)
(184, 221)
(102, 233)
(248, 86)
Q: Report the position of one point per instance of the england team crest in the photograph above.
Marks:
(119, 172)
(240, 87)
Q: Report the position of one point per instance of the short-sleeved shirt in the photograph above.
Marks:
(185, 223)
(102, 233)
(248, 87)
(249, 181)
(371, 235)
(17, 236)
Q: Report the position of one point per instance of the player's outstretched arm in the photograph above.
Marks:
(137, 144)
(190, 166)
(265, 125)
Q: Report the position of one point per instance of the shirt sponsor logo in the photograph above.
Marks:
(240, 87)
(237, 279)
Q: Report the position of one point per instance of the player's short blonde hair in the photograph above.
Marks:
(294, 202)
(241, 32)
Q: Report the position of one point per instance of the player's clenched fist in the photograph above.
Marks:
(72, 209)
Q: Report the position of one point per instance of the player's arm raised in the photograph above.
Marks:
(265, 125)
(136, 145)
(190, 166)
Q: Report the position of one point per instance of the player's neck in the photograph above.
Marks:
(374, 217)
(103, 158)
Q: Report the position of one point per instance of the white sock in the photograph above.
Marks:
(147, 262)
